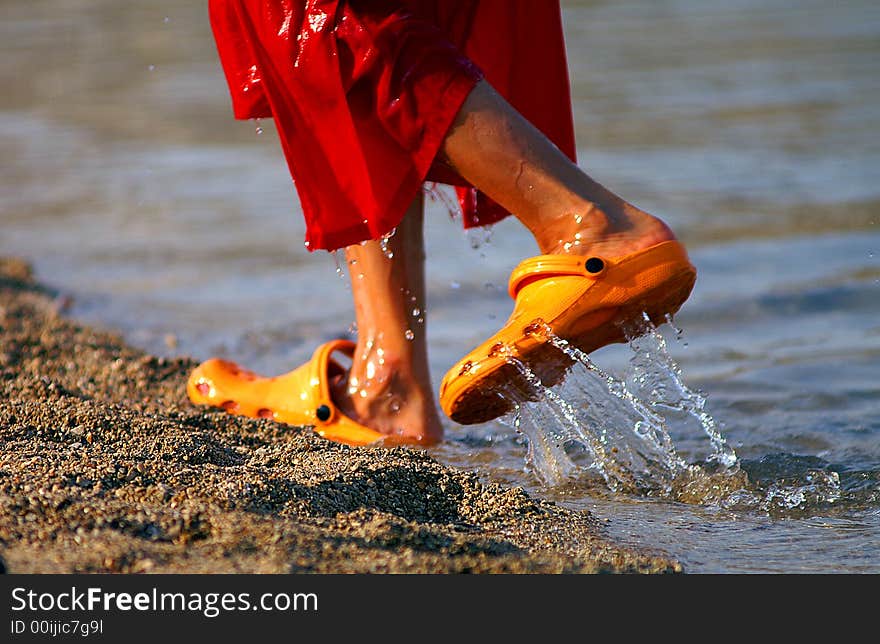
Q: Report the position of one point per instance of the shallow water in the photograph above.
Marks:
(750, 127)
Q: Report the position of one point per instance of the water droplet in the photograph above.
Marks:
(578, 219)
(151, 67)
(409, 335)
(416, 312)
(394, 405)
(339, 271)
(307, 244)
(383, 243)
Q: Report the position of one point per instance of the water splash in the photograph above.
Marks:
(546, 458)
(656, 377)
(479, 237)
(550, 424)
(340, 272)
(596, 423)
(616, 430)
(384, 243)
(613, 436)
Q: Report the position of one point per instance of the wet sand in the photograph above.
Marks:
(106, 467)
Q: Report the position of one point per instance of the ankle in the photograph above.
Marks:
(572, 225)
(388, 394)
(615, 229)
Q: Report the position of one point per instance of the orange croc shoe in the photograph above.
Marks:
(300, 397)
(583, 300)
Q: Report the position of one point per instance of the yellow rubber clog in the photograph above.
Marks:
(300, 397)
(583, 300)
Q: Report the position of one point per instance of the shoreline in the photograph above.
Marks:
(105, 466)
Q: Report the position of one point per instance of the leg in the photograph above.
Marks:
(497, 150)
(571, 216)
(389, 385)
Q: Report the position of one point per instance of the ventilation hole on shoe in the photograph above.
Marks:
(594, 265)
(229, 405)
(323, 412)
(203, 388)
(537, 327)
(499, 349)
(265, 413)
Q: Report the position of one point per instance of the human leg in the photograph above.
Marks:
(492, 146)
(388, 386)
(501, 153)
(386, 392)
(634, 266)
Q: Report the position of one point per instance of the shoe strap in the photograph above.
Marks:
(669, 252)
(543, 266)
(319, 374)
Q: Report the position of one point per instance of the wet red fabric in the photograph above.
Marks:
(363, 92)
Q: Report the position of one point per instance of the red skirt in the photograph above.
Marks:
(364, 91)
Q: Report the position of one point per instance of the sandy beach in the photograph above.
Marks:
(106, 467)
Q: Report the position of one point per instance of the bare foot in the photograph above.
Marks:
(612, 230)
(383, 393)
